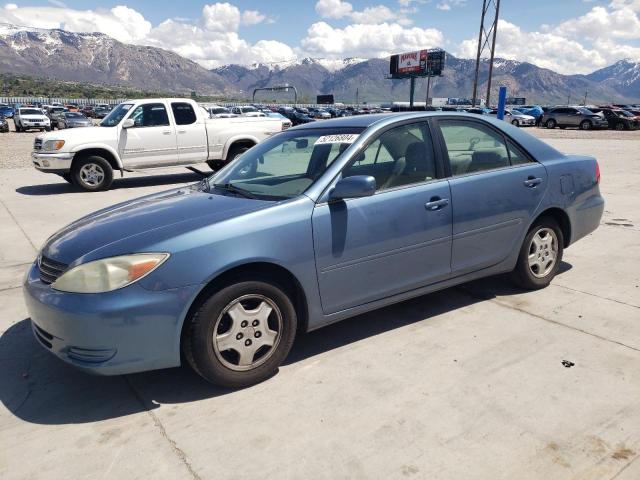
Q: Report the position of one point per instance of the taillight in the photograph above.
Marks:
(597, 172)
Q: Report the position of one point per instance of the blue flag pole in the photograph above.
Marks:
(502, 100)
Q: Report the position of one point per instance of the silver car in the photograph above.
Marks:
(71, 120)
(516, 118)
(580, 117)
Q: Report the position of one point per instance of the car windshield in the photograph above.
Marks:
(218, 110)
(116, 115)
(30, 111)
(285, 165)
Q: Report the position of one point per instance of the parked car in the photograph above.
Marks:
(580, 117)
(618, 119)
(72, 107)
(31, 118)
(286, 123)
(296, 117)
(71, 120)
(142, 134)
(217, 111)
(6, 111)
(244, 109)
(535, 111)
(316, 224)
(87, 110)
(4, 124)
(515, 118)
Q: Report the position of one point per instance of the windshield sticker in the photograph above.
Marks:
(342, 138)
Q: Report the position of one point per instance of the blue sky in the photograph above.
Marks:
(570, 36)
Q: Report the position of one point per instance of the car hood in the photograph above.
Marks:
(37, 118)
(73, 138)
(131, 226)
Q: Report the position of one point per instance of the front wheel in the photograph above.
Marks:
(241, 333)
(551, 124)
(515, 123)
(540, 255)
(585, 125)
(92, 173)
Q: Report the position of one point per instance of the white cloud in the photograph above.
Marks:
(211, 40)
(376, 14)
(122, 23)
(443, 6)
(363, 40)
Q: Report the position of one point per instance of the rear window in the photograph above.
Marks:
(183, 113)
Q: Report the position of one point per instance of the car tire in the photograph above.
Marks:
(540, 255)
(92, 173)
(18, 129)
(619, 126)
(47, 129)
(586, 125)
(515, 123)
(215, 165)
(551, 124)
(214, 343)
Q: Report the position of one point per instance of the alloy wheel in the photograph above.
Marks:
(543, 252)
(92, 174)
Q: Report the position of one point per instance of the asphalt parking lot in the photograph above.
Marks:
(467, 383)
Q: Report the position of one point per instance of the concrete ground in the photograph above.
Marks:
(467, 383)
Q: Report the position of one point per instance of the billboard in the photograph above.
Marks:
(325, 99)
(419, 63)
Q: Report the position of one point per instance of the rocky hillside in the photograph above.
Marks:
(97, 58)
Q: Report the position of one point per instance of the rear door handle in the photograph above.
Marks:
(167, 132)
(182, 131)
(532, 182)
(436, 203)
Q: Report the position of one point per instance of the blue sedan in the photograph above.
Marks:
(316, 224)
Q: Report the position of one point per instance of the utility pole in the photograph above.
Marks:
(585, 97)
(357, 97)
(486, 42)
(426, 103)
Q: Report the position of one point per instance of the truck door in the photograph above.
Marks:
(151, 141)
(191, 133)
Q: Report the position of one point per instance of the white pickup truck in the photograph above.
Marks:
(147, 133)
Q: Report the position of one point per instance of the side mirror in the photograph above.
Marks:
(128, 123)
(354, 187)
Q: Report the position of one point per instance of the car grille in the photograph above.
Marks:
(50, 270)
(37, 144)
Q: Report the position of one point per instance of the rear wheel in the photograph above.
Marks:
(540, 255)
(241, 333)
(551, 123)
(92, 173)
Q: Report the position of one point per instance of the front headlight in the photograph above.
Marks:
(109, 274)
(52, 145)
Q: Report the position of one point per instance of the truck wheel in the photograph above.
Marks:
(540, 255)
(235, 152)
(241, 334)
(215, 165)
(92, 173)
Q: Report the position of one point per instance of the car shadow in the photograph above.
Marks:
(118, 183)
(39, 388)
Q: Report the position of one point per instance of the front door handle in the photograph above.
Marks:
(436, 203)
(182, 131)
(532, 182)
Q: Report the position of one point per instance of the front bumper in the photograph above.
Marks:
(52, 162)
(125, 331)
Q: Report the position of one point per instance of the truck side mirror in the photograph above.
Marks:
(128, 123)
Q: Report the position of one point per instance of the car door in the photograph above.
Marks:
(395, 241)
(573, 117)
(496, 188)
(151, 141)
(191, 133)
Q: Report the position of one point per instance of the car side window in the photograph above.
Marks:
(183, 113)
(516, 155)
(150, 115)
(473, 147)
(400, 156)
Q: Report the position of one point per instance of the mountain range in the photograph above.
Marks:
(98, 58)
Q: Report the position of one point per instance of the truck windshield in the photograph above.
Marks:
(285, 165)
(116, 115)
